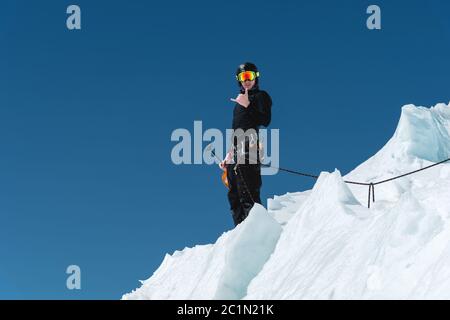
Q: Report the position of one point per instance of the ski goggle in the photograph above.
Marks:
(247, 75)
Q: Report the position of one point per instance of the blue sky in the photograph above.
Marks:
(86, 117)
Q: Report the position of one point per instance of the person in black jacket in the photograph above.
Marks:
(252, 110)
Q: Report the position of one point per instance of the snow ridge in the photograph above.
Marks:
(219, 271)
(325, 244)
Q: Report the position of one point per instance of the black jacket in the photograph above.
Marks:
(257, 114)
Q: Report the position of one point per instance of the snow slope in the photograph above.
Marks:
(325, 243)
(219, 271)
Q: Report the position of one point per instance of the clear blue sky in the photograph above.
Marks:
(86, 118)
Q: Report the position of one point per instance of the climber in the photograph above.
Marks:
(243, 162)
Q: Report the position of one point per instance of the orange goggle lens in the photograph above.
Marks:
(247, 75)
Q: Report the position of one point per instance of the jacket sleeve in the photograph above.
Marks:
(260, 109)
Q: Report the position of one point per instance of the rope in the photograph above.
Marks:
(406, 174)
(371, 188)
(290, 171)
(371, 185)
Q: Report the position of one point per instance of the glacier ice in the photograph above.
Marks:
(219, 271)
(325, 243)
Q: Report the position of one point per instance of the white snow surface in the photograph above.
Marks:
(325, 243)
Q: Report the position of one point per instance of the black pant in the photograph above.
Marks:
(245, 184)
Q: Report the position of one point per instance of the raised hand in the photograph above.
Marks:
(242, 99)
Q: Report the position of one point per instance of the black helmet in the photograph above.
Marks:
(248, 66)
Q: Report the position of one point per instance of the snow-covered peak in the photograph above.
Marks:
(219, 271)
(325, 243)
(331, 186)
(422, 137)
(423, 133)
